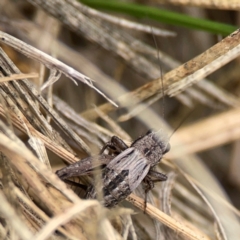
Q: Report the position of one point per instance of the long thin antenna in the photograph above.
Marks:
(163, 93)
(182, 121)
(161, 75)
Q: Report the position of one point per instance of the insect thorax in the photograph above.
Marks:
(152, 147)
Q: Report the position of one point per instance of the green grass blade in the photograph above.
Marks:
(169, 17)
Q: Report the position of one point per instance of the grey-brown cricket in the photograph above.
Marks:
(122, 170)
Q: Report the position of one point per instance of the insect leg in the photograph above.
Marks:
(149, 180)
(84, 167)
(157, 176)
(84, 187)
(115, 145)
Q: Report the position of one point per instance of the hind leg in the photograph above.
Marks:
(149, 180)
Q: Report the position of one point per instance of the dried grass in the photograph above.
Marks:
(38, 129)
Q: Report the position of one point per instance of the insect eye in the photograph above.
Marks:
(149, 131)
(167, 149)
(146, 151)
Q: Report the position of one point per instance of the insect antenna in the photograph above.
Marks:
(161, 74)
(150, 183)
(163, 92)
(163, 138)
(181, 122)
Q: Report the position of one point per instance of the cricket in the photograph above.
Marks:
(122, 170)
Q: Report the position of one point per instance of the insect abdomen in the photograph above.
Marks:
(117, 188)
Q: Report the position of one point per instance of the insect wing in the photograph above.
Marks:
(84, 166)
(129, 168)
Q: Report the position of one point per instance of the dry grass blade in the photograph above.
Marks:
(218, 93)
(211, 193)
(28, 95)
(50, 199)
(197, 170)
(137, 48)
(235, 164)
(125, 23)
(36, 214)
(45, 59)
(40, 149)
(53, 77)
(218, 221)
(218, 4)
(208, 62)
(59, 150)
(63, 218)
(215, 131)
(19, 76)
(72, 14)
(179, 79)
(115, 127)
(48, 61)
(8, 213)
(167, 220)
